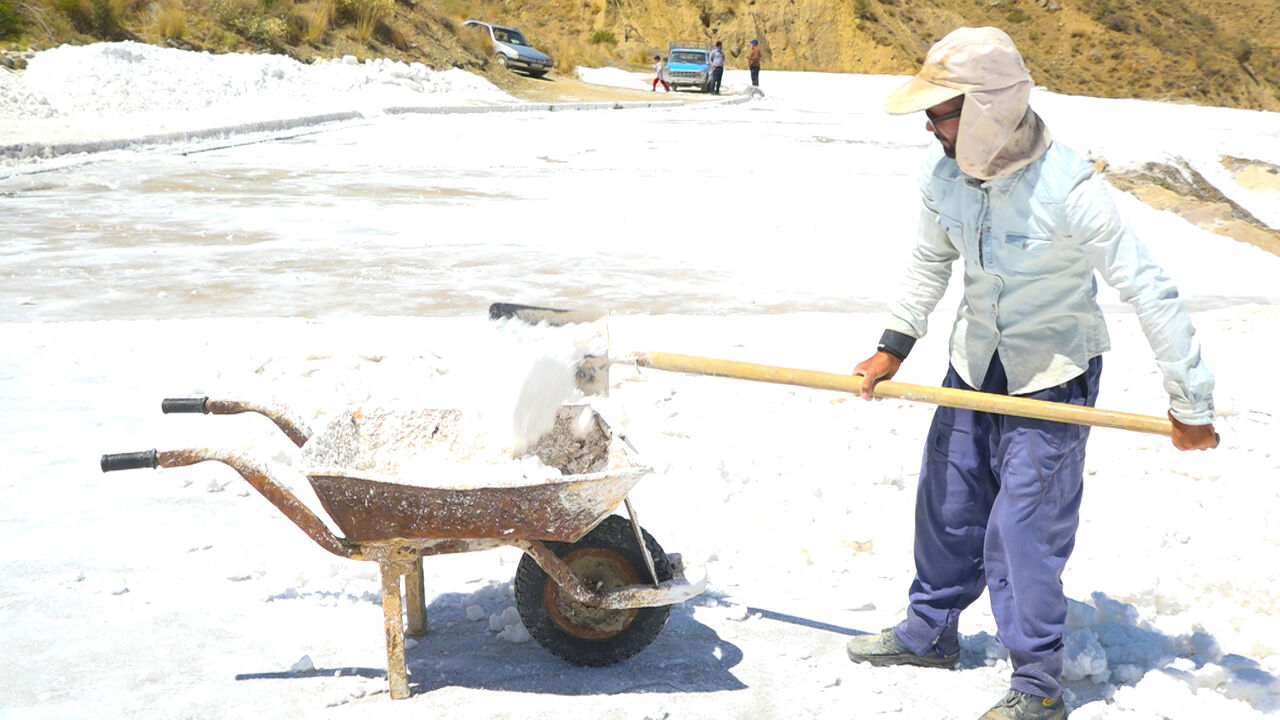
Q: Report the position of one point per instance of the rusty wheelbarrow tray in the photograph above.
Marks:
(593, 588)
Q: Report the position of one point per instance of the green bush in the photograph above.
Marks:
(603, 37)
(103, 18)
(10, 20)
(97, 19)
(1243, 52)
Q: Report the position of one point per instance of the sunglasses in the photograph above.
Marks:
(935, 119)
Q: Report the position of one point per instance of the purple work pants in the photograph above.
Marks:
(998, 506)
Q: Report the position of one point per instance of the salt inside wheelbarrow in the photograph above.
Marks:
(386, 474)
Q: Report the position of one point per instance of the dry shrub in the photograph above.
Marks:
(475, 40)
(121, 8)
(254, 21)
(366, 14)
(314, 18)
(454, 8)
(170, 19)
(569, 55)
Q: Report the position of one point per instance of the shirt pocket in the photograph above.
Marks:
(1026, 252)
(1027, 241)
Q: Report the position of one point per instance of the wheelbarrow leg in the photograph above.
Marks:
(414, 599)
(397, 670)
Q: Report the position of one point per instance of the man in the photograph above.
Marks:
(753, 63)
(998, 501)
(717, 67)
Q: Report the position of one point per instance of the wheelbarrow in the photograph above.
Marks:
(592, 587)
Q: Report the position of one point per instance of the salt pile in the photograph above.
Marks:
(128, 78)
(513, 427)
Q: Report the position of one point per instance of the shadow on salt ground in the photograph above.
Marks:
(1108, 647)
(806, 622)
(687, 656)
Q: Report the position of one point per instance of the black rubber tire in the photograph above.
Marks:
(501, 60)
(579, 634)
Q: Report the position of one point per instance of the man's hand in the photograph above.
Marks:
(881, 366)
(1192, 437)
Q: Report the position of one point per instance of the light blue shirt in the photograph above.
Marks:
(717, 58)
(1030, 244)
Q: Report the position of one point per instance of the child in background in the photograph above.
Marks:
(659, 64)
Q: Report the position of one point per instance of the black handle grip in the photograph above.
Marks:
(184, 405)
(129, 461)
(497, 311)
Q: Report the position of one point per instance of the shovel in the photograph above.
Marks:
(593, 378)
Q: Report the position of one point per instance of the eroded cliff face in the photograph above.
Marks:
(1215, 52)
(1219, 52)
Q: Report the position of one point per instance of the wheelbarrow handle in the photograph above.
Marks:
(256, 474)
(185, 405)
(290, 424)
(129, 461)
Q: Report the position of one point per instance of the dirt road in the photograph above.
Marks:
(563, 88)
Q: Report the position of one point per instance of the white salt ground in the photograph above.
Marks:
(180, 593)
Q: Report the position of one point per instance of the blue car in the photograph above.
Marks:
(688, 65)
(511, 50)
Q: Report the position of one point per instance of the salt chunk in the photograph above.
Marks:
(499, 621)
(515, 633)
(304, 664)
(1212, 676)
(584, 423)
(1083, 656)
(475, 612)
(1127, 674)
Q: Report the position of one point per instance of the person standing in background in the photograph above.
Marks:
(753, 63)
(717, 67)
(659, 64)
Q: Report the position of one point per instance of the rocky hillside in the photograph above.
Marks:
(1220, 52)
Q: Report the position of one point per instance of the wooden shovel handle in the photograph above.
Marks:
(948, 397)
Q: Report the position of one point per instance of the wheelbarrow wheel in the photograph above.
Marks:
(606, 557)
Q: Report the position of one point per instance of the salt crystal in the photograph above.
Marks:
(514, 633)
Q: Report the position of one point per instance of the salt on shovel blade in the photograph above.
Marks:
(534, 314)
(592, 376)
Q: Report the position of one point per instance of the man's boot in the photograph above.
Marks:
(1021, 706)
(886, 649)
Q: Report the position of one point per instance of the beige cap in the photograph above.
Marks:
(965, 61)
